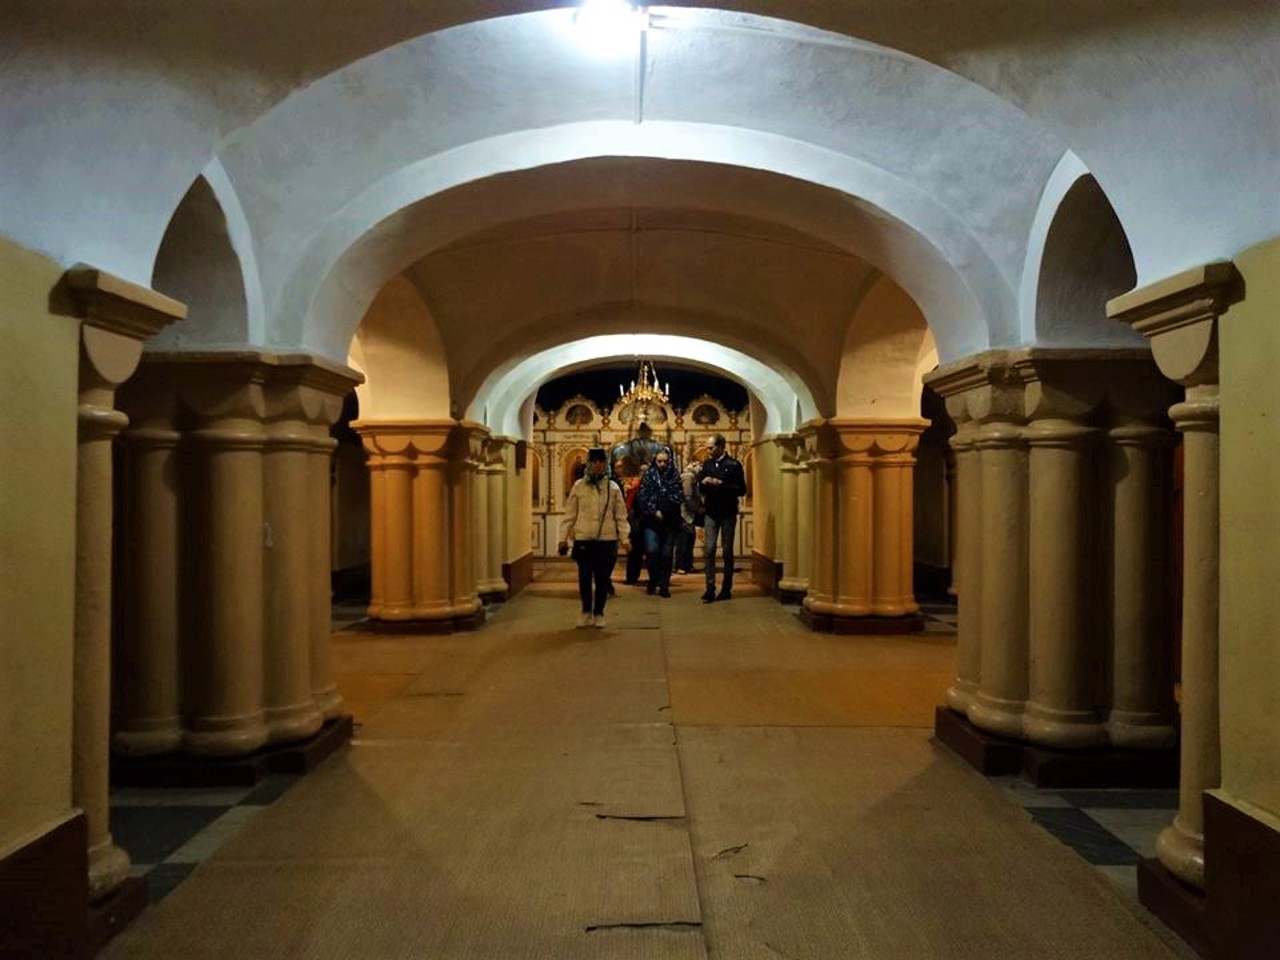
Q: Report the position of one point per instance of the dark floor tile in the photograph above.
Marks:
(164, 877)
(1084, 835)
(149, 834)
(1123, 799)
(269, 790)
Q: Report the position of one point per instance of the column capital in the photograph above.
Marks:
(468, 443)
(118, 306)
(838, 438)
(118, 317)
(1179, 315)
(412, 439)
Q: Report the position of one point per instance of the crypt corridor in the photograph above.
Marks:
(997, 289)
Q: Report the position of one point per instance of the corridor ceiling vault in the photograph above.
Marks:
(738, 178)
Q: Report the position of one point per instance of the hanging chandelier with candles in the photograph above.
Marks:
(645, 392)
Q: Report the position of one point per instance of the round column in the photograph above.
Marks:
(431, 547)
(823, 572)
(98, 426)
(377, 533)
(853, 522)
(805, 505)
(1062, 710)
(1180, 846)
(464, 457)
(894, 593)
(324, 692)
(145, 665)
(788, 515)
(225, 668)
(1142, 712)
(495, 484)
(290, 517)
(968, 566)
(397, 524)
(480, 525)
(1002, 692)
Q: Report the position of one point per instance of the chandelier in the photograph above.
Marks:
(645, 391)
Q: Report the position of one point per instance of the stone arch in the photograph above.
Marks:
(896, 227)
(508, 388)
(206, 261)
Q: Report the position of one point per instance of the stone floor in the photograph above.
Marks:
(742, 666)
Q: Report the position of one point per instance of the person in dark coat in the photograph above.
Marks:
(657, 510)
(721, 482)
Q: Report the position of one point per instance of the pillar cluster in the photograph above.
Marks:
(854, 523)
(432, 533)
(1063, 474)
(223, 548)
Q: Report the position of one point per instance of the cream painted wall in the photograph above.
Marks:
(402, 357)
(879, 375)
(39, 372)
(1250, 655)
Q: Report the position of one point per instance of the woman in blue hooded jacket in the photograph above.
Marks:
(657, 511)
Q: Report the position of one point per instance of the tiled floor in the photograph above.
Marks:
(168, 833)
(1111, 829)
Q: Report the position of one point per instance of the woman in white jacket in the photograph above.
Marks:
(595, 519)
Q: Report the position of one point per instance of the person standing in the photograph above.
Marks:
(657, 508)
(595, 520)
(721, 482)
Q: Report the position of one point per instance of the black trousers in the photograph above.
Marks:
(595, 560)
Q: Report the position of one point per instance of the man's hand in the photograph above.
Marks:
(658, 514)
(712, 481)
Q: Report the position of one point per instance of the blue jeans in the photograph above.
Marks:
(658, 542)
(719, 531)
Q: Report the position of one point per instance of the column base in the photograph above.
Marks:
(46, 894)
(329, 702)
(994, 755)
(518, 574)
(453, 624)
(860, 626)
(179, 771)
(990, 755)
(960, 695)
(1157, 733)
(110, 915)
(1064, 729)
(792, 589)
(1179, 907)
(229, 741)
(293, 723)
(492, 591)
(147, 743)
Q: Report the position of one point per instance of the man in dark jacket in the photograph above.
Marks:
(722, 482)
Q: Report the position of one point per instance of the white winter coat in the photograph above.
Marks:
(584, 506)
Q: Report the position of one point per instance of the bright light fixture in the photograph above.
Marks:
(609, 28)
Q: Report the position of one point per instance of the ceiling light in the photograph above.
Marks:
(609, 28)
